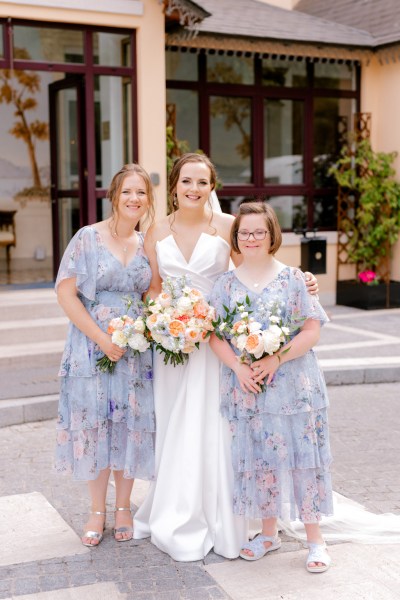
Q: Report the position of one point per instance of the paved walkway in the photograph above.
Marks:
(41, 513)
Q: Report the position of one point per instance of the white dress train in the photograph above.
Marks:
(188, 509)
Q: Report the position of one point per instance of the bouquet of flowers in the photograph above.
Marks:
(247, 334)
(125, 332)
(178, 320)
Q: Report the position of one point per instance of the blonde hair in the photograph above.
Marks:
(271, 221)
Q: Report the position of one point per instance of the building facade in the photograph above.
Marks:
(268, 89)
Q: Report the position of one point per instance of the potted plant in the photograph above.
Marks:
(372, 228)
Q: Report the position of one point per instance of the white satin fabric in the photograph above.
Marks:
(351, 522)
(188, 509)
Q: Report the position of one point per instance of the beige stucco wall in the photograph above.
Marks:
(289, 4)
(380, 95)
(150, 71)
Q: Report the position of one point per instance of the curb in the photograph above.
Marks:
(41, 408)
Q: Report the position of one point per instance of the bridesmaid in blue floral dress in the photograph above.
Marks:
(106, 421)
(280, 447)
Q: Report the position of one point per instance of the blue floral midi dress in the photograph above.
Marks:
(280, 439)
(104, 420)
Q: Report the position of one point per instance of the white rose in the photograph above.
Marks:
(137, 341)
(286, 330)
(242, 328)
(271, 340)
(119, 338)
(274, 319)
(184, 304)
(139, 325)
(155, 308)
(241, 342)
(254, 326)
(244, 314)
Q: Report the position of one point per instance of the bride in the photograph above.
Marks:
(188, 509)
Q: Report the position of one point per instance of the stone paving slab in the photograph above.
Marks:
(100, 591)
(363, 572)
(30, 526)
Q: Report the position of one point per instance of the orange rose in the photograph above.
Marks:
(151, 320)
(176, 327)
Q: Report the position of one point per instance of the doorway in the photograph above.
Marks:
(68, 173)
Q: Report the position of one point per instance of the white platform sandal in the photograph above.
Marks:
(317, 554)
(256, 546)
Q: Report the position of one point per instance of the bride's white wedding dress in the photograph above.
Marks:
(188, 509)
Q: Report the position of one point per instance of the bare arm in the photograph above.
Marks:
(150, 250)
(67, 296)
(298, 346)
(243, 372)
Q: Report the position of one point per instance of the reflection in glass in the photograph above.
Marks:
(48, 44)
(332, 117)
(230, 69)
(67, 139)
(183, 116)
(290, 210)
(181, 66)
(25, 173)
(278, 72)
(230, 204)
(325, 212)
(230, 130)
(335, 76)
(111, 49)
(112, 126)
(283, 141)
(68, 218)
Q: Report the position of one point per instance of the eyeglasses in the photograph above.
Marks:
(259, 234)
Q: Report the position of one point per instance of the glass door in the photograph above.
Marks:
(68, 161)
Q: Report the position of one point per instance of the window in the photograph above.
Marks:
(272, 125)
(230, 120)
(48, 44)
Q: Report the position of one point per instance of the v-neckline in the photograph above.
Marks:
(194, 247)
(253, 291)
(113, 255)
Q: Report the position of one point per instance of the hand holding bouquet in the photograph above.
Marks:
(179, 319)
(125, 332)
(248, 335)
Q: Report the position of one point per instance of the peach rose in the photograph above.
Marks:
(151, 321)
(200, 310)
(164, 299)
(192, 335)
(255, 344)
(176, 327)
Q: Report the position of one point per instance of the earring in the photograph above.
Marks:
(175, 200)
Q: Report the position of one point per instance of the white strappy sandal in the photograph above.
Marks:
(317, 554)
